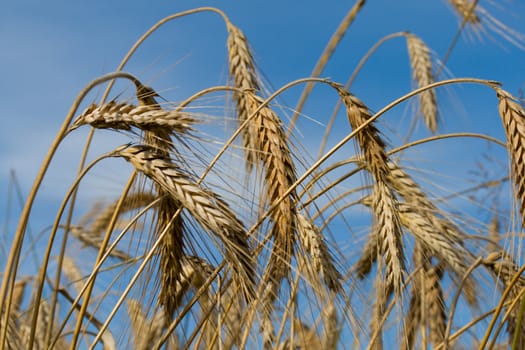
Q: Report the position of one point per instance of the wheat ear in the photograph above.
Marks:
(171, 249)
(410, 191)
(242, 70)
(204, 205)
(272, 151)
(279, 175)
(368, 257)
(433, 241)
(145, 331)
(98, 220)
(384, 204)
(435, 304)
(464, 9)
(322, 261)
(513, 117)
(125, 116)
(421, 64)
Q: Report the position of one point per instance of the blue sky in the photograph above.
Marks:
(51, 50)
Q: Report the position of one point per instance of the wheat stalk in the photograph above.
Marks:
(205, 206)
(421, 64)
(513, 117)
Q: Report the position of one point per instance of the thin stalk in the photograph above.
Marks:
(98, 266)
(43, 269)
(456, 298)
(15, 250)
(325, 56)
(101, 253)
(504, 296)
(519, 322)
(349, 83)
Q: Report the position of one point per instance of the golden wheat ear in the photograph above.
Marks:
(466, 10)
(513, 117)
(244, 75)
(125, 116)
(504, 269)
(421, 63)
(210, 211)
(384, 203)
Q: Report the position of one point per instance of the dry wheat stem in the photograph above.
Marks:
(124, 293)
(421, 64)
(98, 265)
(15, 249)
(151, 30)
(348, 84)
(513, 117)
(47, 254)
(90, 283)
(503, 268)
(205, 206)
(454, 303)
(325, 56)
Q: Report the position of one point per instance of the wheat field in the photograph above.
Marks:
(241, 217)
